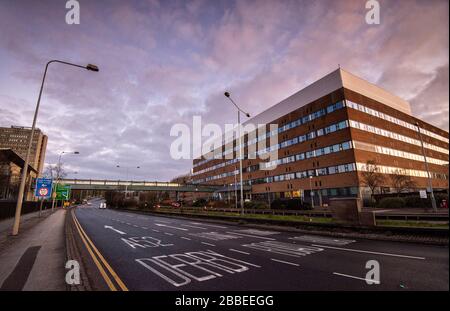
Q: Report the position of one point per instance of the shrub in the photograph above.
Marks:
(391, 203)
(200, 202)
(293, 204)
(256, 205)
(414, 201)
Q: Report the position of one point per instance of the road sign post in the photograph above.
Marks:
(43, 190)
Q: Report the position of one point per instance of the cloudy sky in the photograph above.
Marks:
(162, 62)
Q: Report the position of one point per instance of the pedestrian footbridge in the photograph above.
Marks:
(97, 184)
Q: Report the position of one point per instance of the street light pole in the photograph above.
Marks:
(430, 183)
(23, 178)
(58, 176)
(239, 110)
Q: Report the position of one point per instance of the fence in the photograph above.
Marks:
(8, 208)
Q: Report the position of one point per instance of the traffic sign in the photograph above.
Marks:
(62, 192)
(43, 187)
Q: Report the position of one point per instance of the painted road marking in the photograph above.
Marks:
(112, 228)
(370, 252)
(258, 232)
(282, 248)
(357, 278)
(207, 243)
(91, 249)
(145, 228)
(324, 240)
(167, 233)
(154, 230)
(181, 269)
(208, 225)
(238, 251)
(194, 227)
(177, 228)
(285, 262)
(144, 242)
(215, 236)
(136, 226)
(184, 238)
(253, 236)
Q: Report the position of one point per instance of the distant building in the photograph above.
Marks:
(16, 138)
(327, 132)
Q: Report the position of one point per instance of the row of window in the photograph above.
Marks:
(396, 153)
(296, 140)
(402, 171)
(393, 135)
(394, 120)
(308, 118)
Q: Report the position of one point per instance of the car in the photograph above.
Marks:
(102, 205)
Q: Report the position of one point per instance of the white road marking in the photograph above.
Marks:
(285, 262)
(145, 228)
(135, 226)
(370, 252)
(154, 230)
(178, 228)
(258, 232)
(128, 224)
(238, 251)
(112, 228)
(208, 225)
(194, 227)
(357, 278)
(207, 243)
(184, 238)
(324, 240)
(253, 236)
(167, 233)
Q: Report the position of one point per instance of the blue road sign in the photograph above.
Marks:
(43, 187)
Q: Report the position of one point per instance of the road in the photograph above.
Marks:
(160, 253)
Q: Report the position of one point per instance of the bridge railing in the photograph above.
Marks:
(109, 182)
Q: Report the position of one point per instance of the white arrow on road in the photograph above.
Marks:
(112, 228)
(162, 225)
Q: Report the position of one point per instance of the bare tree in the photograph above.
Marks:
(372, 177)
(401, 182)
(55, 172)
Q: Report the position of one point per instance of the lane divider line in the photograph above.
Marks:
(207, 243)
(285, 262)
(357, 278)
(185, 238)
(102, 259)
(368, 252)
(238, 251)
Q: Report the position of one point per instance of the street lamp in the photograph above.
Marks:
(127, 170)
(16, 225)
(239, 110)
(430, 183)
(58, 172)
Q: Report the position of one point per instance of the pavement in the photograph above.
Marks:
(157, 253)
(34, 260)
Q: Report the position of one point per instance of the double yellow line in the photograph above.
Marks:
(99, 260)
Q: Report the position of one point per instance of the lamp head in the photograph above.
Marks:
(92, 67)
(227, 94)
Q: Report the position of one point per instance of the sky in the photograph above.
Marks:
(163, 62)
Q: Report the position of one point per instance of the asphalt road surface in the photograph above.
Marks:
(164, 253)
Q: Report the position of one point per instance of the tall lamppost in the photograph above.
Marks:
(239, 110)
(430, 183)
(16, 225)
(58, 174)
(127, 169)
